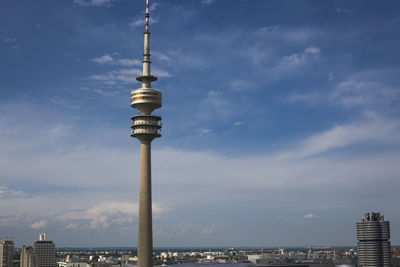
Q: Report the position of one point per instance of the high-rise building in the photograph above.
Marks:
(373, 234)
(26, 259)
(145, 127)
(44, 254)
(7, 253)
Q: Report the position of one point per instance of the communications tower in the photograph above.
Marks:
(145, 127)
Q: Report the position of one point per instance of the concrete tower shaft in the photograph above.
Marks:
(145, 127)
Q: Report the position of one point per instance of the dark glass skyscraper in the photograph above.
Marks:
(44, 253)
(373, 234)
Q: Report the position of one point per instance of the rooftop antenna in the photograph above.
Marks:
(147, 17)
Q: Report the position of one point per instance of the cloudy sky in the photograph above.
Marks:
(280, 120)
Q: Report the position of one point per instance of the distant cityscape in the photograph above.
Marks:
(113, 257)
(373, 249)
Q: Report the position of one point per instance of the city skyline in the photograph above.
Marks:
(281, 121)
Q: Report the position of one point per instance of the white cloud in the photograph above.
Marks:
(126, 62)
(10, 219)
(209, 229)
(184, 60)
(373, 129)
(207, 2)
(106, 92)
(205, 131)
(216, 105)
(311, 98)
(60, 129)
(161, 73)
(63, 102)
(213, 93)
(352, 93)
(297, 59)
(242, 85)
(38, 225)
(72, 226)
(94, 2)
(263, 31)
(122, 75)
(265, 58)
(153, 6)
(17, 48)
(312, 50)
(290, 35)
(9, 40)
(238, 123)
(309, 216)
(136, 22)
(103, 59)
(5, 192)
(160, 55)
(363, 93)
(106, 214)
(258, 54)
(344, 10)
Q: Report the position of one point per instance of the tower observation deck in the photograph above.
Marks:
(146, 99)
(146, 127)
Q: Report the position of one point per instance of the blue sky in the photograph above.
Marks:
(280, 120)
